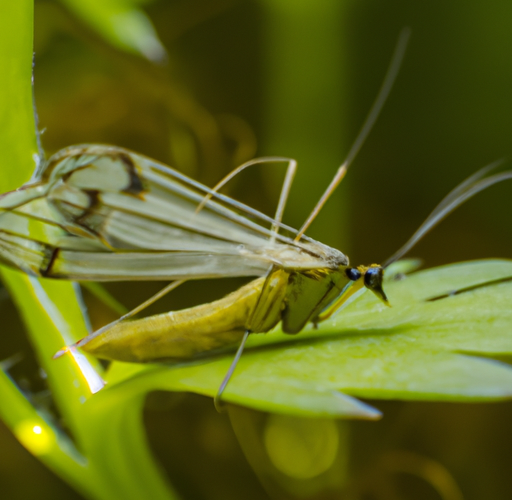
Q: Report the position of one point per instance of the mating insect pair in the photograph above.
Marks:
(103, 213)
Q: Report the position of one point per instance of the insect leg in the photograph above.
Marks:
(283, 197)
(327, 194)
(265, 315)
(217, 400)
(351, 291)
(164, 291)
(292, 166)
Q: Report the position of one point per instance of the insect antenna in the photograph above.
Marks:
(463, 192)
(375, 110)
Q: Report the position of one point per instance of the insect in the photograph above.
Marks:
(104, 213)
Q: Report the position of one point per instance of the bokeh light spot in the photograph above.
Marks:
(38, 438)
(301, 448)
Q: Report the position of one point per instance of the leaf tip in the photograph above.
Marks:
(352, 407)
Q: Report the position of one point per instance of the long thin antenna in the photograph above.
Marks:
(463, 192)
(375, 110)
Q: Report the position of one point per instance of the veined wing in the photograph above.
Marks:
(109, 214)
(31, 232)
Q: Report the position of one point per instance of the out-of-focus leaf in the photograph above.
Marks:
(122, 24)
(419, 349)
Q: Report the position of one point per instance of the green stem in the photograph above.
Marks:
(108, 456)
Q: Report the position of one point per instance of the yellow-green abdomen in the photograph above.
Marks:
(180, 335)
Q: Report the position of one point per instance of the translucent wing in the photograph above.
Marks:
(105, 213)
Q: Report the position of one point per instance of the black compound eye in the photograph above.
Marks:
(352, 273)
(373, 277)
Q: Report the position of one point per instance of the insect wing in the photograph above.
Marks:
(110, 215)
(31, 230)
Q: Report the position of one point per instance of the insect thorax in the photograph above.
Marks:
(309, 293)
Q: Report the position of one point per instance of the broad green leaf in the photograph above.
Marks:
(122, 24)
(418, 349)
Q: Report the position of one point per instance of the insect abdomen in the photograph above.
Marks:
(180, 335)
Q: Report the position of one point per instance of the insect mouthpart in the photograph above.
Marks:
(373, 278)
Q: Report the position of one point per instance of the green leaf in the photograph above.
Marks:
(121, 24)
(418, 349)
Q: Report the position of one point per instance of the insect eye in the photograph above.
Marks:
(373, 277)
(352, 273)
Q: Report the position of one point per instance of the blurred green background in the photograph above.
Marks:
(273, 77)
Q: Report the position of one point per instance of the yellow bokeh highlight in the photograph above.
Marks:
(301, 448)
(36, 436)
